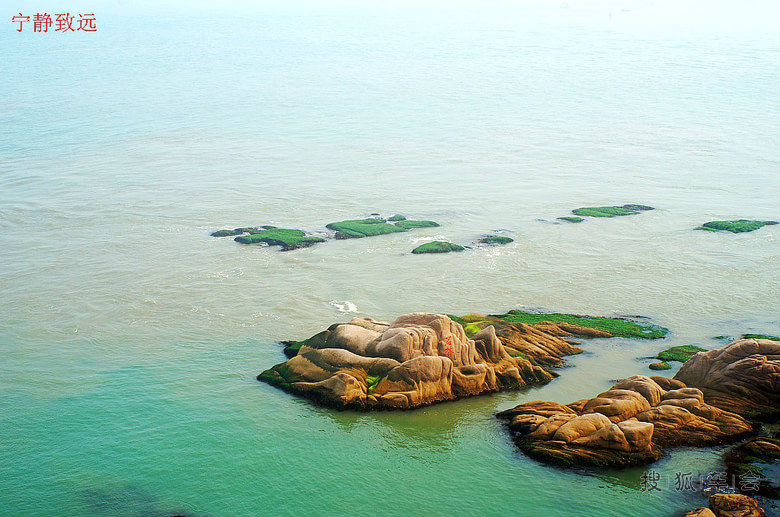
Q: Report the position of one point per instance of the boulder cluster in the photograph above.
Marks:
(629, 424)
(418, 359)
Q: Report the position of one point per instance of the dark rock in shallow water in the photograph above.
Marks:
(755, 464)
(611, 211)
(760, 336)
(495, 240)
(735, 226)
(570, 219)
(417, 360)
(288, 239)
(437, 247)
(227, 233)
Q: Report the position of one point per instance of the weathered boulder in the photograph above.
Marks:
(626, 425)
(743, 377)
(735, 505)
(418, 359)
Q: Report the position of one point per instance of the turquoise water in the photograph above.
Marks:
(130, 339)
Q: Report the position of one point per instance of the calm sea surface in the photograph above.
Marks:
(130, 339)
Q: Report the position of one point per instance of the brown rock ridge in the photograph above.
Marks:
(418, 359)
(629, 424)
(743, 377)
(729, 505)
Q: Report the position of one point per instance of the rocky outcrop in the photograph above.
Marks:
(418, 359)
(729, 505)
(629, 424)
(743, 377)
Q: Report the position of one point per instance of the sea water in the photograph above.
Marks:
(130, 339)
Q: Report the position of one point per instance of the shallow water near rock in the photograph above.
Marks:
(131, 338)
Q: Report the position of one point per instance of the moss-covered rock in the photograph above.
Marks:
(735, 226)
(410, 225)
(760, 336)
(242, 230)
(437, 247)
(661, 365)
(397, 217)
(680, 353)
(610, 211)
(359, 228)
(610, 327)
(288, 239)
(227, 233)
(571, 219)
(495, 240)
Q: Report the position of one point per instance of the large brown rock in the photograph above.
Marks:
(742, 377)
(418, 359)
(626, 425)
(735, 505)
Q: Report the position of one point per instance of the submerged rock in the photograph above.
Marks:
(610, 211)
(680, 353)
(743, 377)
(495, 240)
(755, 464)
(629, 424)
(288, 239)
(410, 225)
(735, 226)
(661, 365)
(571, 219)
(418, 359)
(437, 247)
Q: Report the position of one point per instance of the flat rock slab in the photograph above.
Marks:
(735, 226)
(610, 211)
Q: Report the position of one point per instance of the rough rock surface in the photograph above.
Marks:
(743, 377)
(735, 505)
(418, 359)
(755, 464)
(629, 424)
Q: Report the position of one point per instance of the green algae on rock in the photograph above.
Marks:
(397, 217)
(680, 353)
(611, 211)
(495, 240)
(240, 231)
(571, 219)
(437, 247)
(735, 226)
(602, 327)
(407, 224)
(359, 228)
(661, 365)
(288, 239)
(760, 336)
